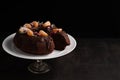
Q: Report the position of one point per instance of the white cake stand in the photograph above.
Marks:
(39, 66)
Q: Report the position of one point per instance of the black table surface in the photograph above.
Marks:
(92, 59)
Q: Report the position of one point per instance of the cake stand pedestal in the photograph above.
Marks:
(39, 66)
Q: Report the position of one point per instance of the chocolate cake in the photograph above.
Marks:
(61, 40)
(40, 38)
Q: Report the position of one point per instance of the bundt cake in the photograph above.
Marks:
(40, 38)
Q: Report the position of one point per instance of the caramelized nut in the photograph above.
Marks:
(30, 32)
(46, 24)
(57, 30)
(27, 25)
(42, 33)
(35, 23)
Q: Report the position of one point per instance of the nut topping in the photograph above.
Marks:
(57, 30)
(23, 29)
(27, 25)
(46, 24)
(35, 23)
(30, 32)
(42, 33)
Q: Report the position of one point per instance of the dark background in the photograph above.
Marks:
(94, 24)
(79, 18)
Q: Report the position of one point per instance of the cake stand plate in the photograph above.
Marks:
(11, 49)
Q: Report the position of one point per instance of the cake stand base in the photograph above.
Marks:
(38, 67)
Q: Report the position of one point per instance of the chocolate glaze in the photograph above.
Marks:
(34, 44)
